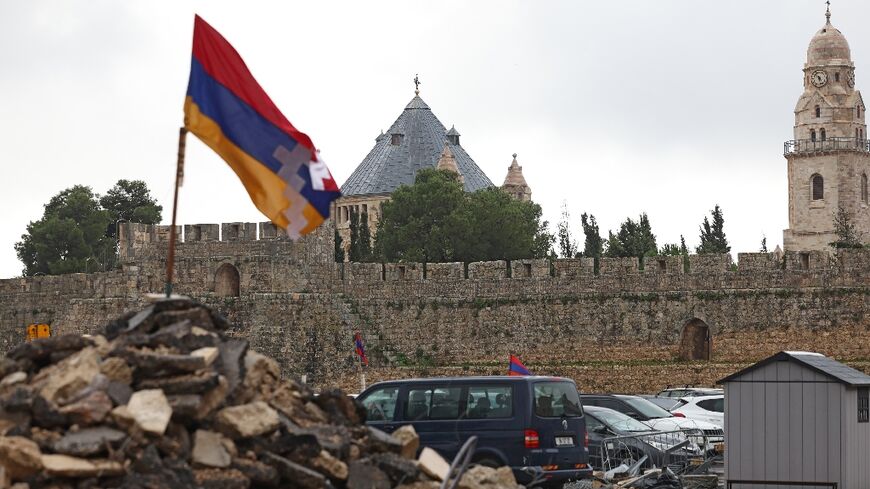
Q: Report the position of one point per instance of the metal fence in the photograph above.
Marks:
(688, 451)
(828, 144)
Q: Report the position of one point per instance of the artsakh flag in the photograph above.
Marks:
(279, 166)
(360, 348)
(516, 367)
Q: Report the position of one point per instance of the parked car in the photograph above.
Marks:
(711, 437)
(527, 423)
(666, 403)
(690, 392)
(603, 424)
(704, 408)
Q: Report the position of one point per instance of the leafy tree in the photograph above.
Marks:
(353, 249)
(421, 222)
(671, 249)
(634, 238)
(593, 245)
(845, 229)
(131, 201)
(713, 238)
(763, 244)
(683, 249)
(339, 248)
(70, 236)
(434, 220)
(364, 247)
(567, 245)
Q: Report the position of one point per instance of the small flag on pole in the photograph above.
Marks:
(360, 348)
(516, 367)
(279, 166)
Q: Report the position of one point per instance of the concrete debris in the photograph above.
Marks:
(163, 398)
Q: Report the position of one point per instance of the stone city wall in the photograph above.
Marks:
(613, 325)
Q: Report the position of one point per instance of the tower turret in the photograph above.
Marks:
(515, 183)
(829, 158)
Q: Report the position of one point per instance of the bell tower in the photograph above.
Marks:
(829, 157)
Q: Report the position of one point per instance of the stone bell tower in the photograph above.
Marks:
(829, 158)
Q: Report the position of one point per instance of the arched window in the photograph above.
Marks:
(818, 111)
(813, 135)
(858, 111)
(822, 133)
(226, 281)
(818, 186)
(864, 196)
(837, 76)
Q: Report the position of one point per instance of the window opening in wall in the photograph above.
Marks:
(805, 261)
(813, 135)
(818, 111)
(401, 272)
(234, 231)
(663, 265)
(858, 109)
(527, 269)
(396, 139)
(822, 133)
(818, 185)
(837, 76)
(197, 233)
(695, 341)
(864, 190)
(863, 405)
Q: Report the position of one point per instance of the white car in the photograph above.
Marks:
(703, 408)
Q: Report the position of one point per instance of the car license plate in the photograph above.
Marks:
(564, 441)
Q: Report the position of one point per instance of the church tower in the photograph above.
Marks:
(829, 158)
(515, 183)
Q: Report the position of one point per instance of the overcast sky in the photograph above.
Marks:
(619, 107)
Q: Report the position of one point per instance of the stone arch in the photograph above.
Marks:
(226, 281)
(696, 343)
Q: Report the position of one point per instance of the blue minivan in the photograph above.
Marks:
(532, 424)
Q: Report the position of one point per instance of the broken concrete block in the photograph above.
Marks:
(21, 457)
(409, 439)
(66, 466)
(209, 450)
(433, 464)
(253, 419)
(151, 410)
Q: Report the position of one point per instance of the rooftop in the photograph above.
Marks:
(413, 142)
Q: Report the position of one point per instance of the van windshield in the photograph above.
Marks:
(557, 399)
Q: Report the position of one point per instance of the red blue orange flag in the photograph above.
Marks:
(360, 349)
(516, 367)
(279, 166)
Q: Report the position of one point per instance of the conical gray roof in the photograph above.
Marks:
(387, 166)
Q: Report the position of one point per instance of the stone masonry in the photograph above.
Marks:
(617, 326)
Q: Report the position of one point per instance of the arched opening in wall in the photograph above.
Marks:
(695, 341)
(818, 186)
(226, 281)
(864, 189)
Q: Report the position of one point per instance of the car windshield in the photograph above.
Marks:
(557, 399)
(647, 408)
(620, 422)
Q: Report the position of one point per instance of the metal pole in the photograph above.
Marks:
(179, 176)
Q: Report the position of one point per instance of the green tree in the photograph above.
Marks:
(339, 248)
(671, 249)
(131, 201)
(634, 238)
(365, 238)
(353, 249)
(70, 236)
(421, 222)
(845, 229)
(713, 238)
(567, 245)
(593, 245)
(434, 220)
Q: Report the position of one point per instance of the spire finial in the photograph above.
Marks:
(515, 156)
(417, 84)
(828, 11)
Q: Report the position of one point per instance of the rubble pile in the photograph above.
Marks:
(163, 399)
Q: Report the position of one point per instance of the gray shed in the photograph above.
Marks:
(797, 417)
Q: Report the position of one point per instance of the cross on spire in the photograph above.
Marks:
(828, 11)
(417, 84)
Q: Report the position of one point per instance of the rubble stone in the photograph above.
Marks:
(221, 479)
(407, 436)
(182, 384)
(116, 369)
(21, 457)
(64, 379)
(13, 378)
(214, 398)
(303, 477)
(66, 466)
(208, 354)
(252, 419)
(151, 410)
(258, 472)
(433, 464)
(330, 466)
(90, 410)
(481, 477)
(363, 475)
(89, 441)
(209, 450)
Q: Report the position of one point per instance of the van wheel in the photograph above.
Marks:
(489, 462)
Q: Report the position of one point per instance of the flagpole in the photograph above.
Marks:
(179, 176)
